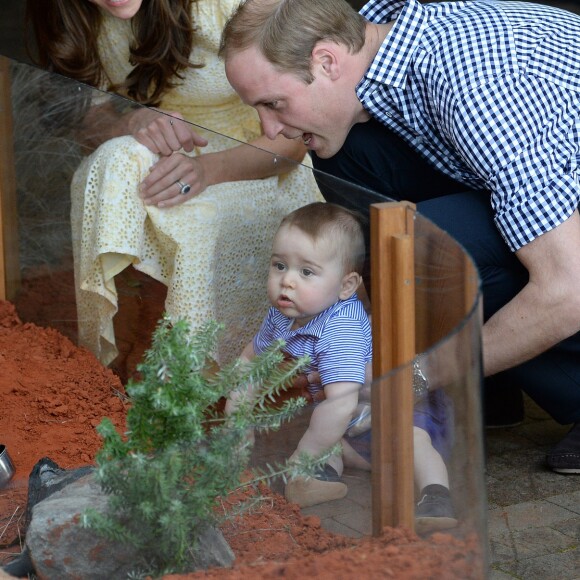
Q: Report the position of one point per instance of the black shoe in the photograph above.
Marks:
(503, 403)
(434, 511)
(565, 456)
(327, 473)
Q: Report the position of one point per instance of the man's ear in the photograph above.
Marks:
(326, 58)
(350, 282)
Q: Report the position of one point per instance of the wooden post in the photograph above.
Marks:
(9, 260)
(393, 322)
(470, 282)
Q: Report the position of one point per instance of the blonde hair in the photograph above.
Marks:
(286, 31)
(326, 220)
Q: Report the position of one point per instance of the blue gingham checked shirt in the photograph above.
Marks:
(489, 93)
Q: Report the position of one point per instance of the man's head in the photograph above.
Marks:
(317, 259)
(298, 62)
(286, 31)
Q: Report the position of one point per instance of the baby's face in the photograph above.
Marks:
(305, 276)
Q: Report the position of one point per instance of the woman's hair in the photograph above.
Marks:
(66, 32)
(330, 221)
(286, 31)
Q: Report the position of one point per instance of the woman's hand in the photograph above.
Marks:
(163, 133)
(173, 180)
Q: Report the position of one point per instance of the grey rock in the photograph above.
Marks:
(61, 549)
(46, 478)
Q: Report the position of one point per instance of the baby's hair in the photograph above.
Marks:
(343, 226)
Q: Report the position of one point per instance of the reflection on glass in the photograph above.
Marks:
(105, 267)
(211, 252)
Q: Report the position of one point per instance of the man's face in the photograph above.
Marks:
(287, 105)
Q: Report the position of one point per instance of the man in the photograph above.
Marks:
(448, 105)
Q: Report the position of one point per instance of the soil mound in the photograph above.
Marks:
(54, 394)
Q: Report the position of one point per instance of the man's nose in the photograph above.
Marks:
(271, 127)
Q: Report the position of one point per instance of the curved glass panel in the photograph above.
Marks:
(91, 260)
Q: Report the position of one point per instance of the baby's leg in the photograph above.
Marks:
(326, 428)
(428, 463)
(352, 459)
(329, 419)
(434, 510)
(325, 486)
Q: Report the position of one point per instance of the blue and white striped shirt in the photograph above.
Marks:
(489, 93)
(338, 340)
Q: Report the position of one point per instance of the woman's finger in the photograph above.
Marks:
(172, 180)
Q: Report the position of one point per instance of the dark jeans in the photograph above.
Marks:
(374, 158)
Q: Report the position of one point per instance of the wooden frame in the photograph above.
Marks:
(393, 322)
(9, 258)
(406, 322)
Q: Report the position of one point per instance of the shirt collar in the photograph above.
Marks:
(394, 56)
(316, 326)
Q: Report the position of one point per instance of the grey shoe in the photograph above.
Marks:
(434, 512)
(565, 456)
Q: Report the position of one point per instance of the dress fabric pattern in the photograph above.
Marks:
(212, 252)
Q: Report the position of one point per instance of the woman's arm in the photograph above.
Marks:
(165, 133)
(255, 162)
(261, 158)
(102, 123)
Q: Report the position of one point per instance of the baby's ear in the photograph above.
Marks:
(350, 282)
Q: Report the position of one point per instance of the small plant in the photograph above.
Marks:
(180, 455)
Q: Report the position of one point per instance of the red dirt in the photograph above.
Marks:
(54, 394)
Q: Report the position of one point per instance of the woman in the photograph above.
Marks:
(192, 209)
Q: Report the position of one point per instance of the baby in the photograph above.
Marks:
(315, 270)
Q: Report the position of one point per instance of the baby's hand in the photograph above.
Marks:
(313, 378)
(303, 381)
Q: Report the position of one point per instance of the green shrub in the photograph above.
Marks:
(180, 455)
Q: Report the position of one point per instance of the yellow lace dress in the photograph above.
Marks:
(213, 251)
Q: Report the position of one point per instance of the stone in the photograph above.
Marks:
(59, 547)
(46, 478)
